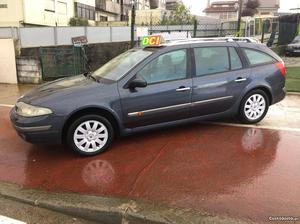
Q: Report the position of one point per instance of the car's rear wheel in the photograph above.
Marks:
(90, 135)
(254, 107)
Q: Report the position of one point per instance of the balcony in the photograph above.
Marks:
(108, 6)
(154, 4)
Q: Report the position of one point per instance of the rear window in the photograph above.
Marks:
(257, 57)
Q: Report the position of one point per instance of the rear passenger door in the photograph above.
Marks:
(218, 80)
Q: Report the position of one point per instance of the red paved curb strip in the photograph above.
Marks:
(109, 210)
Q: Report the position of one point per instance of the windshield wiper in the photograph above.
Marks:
(90, 76)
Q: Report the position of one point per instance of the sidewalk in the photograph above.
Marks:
(291, 61)
(9, 93)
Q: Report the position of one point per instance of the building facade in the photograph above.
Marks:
(171, 4)
(268, 7)
(36, 12)
(227, 10)
(59, 12)
(108, 10)
(222, 9)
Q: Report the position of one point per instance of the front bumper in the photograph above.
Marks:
(42, 129)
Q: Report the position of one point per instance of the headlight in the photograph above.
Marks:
(27, 110)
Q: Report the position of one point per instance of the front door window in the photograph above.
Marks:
(167, 67)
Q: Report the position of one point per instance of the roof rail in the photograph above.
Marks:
(227, 39)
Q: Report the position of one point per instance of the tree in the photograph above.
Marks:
(181, 15)
(251, 8)
(76, 21)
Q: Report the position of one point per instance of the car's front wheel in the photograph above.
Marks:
(90, 135)
(254, 107)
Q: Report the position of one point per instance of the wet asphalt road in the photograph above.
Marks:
(240, 172)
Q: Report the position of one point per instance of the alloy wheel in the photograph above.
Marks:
(255, 107)
(90, 136)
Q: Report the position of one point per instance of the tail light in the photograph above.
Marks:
(280, 65)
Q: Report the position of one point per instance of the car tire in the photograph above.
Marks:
(254, 107)
(90, 135)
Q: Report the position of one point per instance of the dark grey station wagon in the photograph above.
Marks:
(141, 89)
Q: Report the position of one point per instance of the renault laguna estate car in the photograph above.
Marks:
(155, 86)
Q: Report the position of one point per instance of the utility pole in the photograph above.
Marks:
(239, 17)
(122, 10)
(132, 24)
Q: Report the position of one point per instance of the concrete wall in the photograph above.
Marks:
(54, 36)
(8, 72)
(29, 70)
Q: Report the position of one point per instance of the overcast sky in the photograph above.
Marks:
(197, 6)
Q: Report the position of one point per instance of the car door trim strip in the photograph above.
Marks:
(212, 100)
(141, 113)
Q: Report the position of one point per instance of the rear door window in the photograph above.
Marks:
(211, 60)
(257, 57)
(235, 59)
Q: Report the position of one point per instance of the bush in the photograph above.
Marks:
(76, 21)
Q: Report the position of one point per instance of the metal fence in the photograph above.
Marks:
(62, 62)
(196, 30)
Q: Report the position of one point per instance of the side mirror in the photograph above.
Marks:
(137, 82)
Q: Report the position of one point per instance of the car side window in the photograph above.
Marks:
(257, 57)
(211, 60)
(167, 67)
(235, 59)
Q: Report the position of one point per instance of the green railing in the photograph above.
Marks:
(62, 62)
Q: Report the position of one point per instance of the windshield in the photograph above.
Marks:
(120, 65)
(296, 40)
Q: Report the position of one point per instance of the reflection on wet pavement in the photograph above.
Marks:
(242, 172)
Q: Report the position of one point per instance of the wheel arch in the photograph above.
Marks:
(266, 89)
(91, 110)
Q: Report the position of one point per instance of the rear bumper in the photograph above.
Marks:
(43, 129)
(279, 95)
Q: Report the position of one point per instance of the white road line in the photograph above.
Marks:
(256, 126)
(6, 220)
(6, 105)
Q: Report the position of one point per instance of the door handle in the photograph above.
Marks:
(183, 89)
(240, 79)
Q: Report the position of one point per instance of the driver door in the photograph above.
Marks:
(167, 96)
